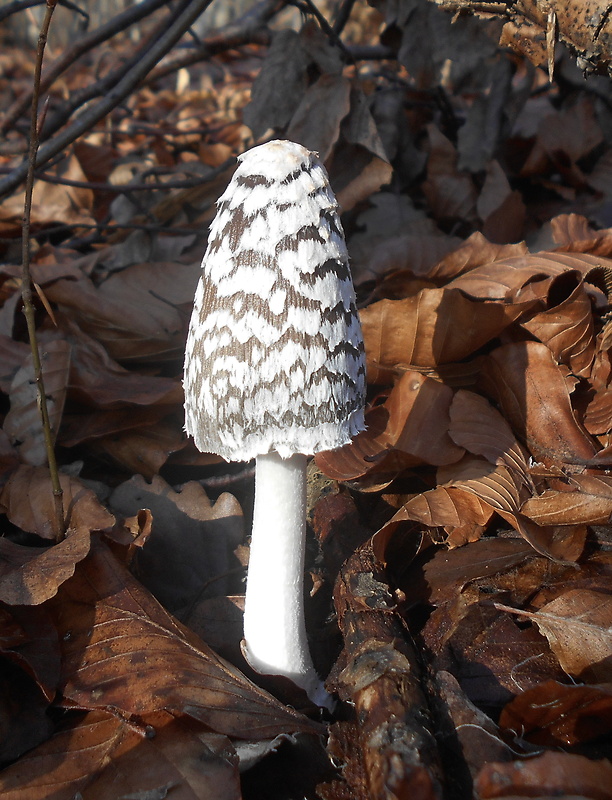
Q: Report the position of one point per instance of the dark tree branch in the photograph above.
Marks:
(97, 111)
(114, 26)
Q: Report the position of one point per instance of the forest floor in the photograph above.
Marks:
(460, 552)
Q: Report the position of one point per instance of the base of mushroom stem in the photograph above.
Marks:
(311, 685)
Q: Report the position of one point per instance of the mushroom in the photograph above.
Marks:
(275, 370)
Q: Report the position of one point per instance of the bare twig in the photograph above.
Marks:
(249, 28)
(26, 281)
(98, 88)
(114, 26)
(17, 6)
(22, 5)
(342, 17)
(97, 111)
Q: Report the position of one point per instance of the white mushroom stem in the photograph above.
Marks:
(274, 625)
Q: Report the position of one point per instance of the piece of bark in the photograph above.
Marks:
(379, 673)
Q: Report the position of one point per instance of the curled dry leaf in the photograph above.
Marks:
(475, 252)
(503, 490)
(435, 326)
(566, 328)
(511, 278)
(122, 649)
(144, 450)
(462, 514)
(548, 775)
(532, 393)
(23, 423)
(479, 737)
(557, 715)
(32, 575)
(27, 500)
(65, 763)
(411, 427)
(316, 121)
(98, 380)
(598, 415)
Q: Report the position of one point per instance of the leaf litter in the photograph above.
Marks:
(460, 599)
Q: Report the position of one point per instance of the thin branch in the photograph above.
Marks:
(26, 280)
(248, 29)
(103, 85)
(114, 26)
(308, 6)
(17, 6)
(342, 17)
(97, 111)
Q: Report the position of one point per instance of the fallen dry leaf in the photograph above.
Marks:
(578, 626)
(27, 500)
(120, 648)
(557, 715)
(548, 775)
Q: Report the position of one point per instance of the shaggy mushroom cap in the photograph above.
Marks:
(275, 358)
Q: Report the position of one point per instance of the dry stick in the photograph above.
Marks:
(26, 281)
(111, 28)
(96, 111)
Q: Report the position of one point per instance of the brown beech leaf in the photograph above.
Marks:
(548, 775)
(481, 430)
(99, 380)
(418, 423)
(475, 251)
(531, 390)
(366, 455)
(578, 626)
(102, 757)
(65, 763)
(567, 328)
(503, 490)
(23, 422)
(451, 194)
(557, 715)
(316, 121)
(447, 573)
(479, 737)
(598, 416)
(144, 450)
(12, 356)
(587, 501)
(462, 514)
(435, 326)
(131, 323)
(27, 500)
(411, 427)
(504, 279)
(31, 575)
(183, 758)
(121, 648)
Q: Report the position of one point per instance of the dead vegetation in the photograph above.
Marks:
(461, 598)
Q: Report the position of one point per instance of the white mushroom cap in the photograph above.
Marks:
(274, 358)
